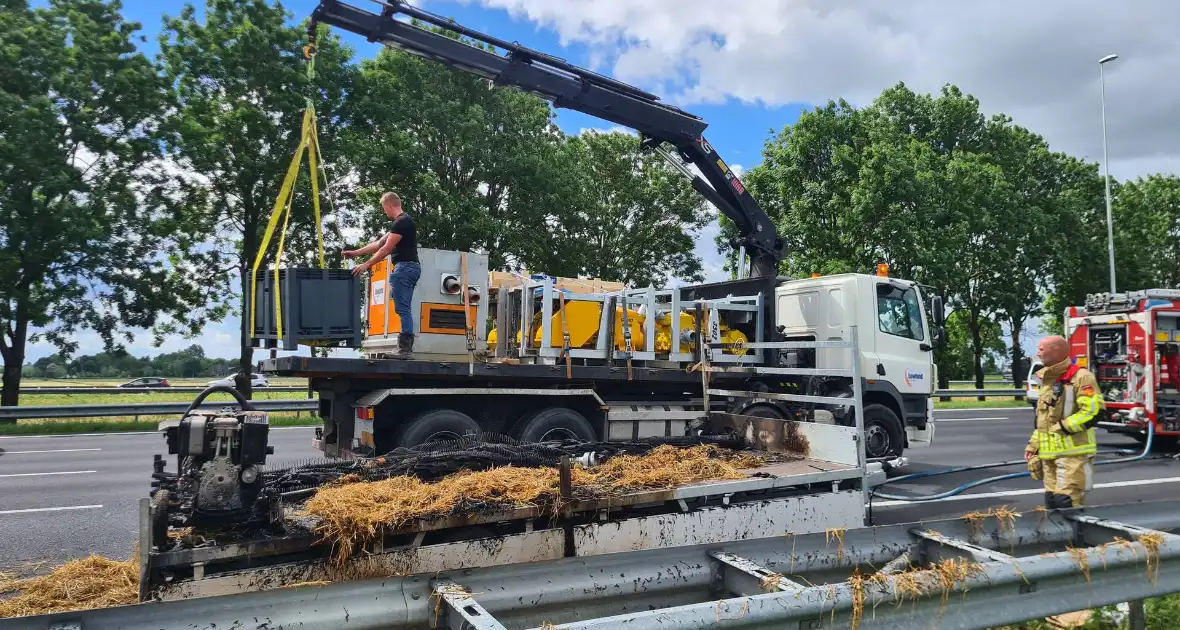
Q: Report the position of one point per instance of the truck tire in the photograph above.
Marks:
(555, 423)
(437, 425)
(883, 435)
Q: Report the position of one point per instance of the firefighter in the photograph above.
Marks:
(1064, 443)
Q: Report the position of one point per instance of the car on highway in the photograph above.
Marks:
(147, 381)
(1032, 385)
(256, 380)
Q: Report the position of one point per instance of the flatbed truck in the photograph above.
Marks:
(566, 375)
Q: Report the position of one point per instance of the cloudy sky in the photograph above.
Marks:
(749, 66)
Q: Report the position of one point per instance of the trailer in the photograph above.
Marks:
(1131, 342)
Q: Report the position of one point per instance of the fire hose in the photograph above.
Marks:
(979, 482)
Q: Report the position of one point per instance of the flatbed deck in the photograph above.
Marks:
(483, 371)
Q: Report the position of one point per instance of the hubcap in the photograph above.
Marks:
(554, 435)
(876, 440)
(444, 436)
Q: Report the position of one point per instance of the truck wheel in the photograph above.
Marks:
(883, 436)
(555, 423)
(437, 425)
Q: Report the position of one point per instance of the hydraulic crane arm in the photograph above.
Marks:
(571, 87)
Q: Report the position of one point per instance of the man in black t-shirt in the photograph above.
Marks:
(402, 242)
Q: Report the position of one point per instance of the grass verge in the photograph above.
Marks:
(106, 425)
(1162, 613)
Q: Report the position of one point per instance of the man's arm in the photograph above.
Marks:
(390, 241)
(367, 249)
(1088, 399)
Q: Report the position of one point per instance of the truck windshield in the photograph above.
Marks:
(898, 312)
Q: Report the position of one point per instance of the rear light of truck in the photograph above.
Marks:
(364, 413)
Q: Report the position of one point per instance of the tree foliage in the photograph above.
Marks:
(485, 168)
(242, 87)
(968, 204)
(190, 362)
(89, 210)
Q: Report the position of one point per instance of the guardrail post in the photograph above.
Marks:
(1138, 619)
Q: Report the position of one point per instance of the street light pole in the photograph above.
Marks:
(1106, 165)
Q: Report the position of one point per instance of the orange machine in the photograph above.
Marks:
(440, 326)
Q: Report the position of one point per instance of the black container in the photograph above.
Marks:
(321, 307)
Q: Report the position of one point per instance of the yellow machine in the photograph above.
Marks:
(584, 318)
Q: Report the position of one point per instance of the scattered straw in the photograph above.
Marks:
(857, 584)
(838, 535)
(1082, 560)
(90, 582)
(1006, 517)
(1151, 542)
(308, 583)
(354, 514)
(446, 589)
(772, 582)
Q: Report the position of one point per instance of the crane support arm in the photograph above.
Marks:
(570, 87)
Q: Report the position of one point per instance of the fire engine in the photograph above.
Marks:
(1131, 342)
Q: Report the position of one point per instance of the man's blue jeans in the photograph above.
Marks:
(401, 286)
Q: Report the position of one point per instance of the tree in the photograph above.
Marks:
(242, 84)
(91, 222)
(957, 361)
(471, 162)
(484, 168)
(631, 218)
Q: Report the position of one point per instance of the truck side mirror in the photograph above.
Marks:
(938, 318)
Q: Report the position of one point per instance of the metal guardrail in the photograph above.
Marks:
(144, 409)
(995, 571)
(27, 412)
(984, 393)
(183, 389)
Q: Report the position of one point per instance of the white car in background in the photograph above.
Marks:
(1032, 385)
(256, 380)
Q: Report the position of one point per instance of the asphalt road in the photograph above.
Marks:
(66, 497)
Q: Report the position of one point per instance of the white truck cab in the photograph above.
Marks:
(896, 349)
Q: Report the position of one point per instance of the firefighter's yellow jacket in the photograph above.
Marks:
(1067, 409)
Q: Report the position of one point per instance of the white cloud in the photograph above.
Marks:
(1036, 61)
(614, 129)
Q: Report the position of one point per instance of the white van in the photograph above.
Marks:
(1032, 385)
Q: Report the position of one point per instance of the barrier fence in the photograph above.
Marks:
(298, 405)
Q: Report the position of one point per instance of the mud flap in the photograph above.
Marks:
(919, 438)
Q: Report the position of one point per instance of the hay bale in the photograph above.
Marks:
(90, 582)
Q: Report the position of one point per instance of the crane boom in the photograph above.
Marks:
(570, 87)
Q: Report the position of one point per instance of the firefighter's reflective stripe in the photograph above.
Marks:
(1087, 409)
(1051, 444)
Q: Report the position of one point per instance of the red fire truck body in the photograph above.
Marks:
(1131, 342)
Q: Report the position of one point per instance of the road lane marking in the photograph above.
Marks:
(42, 474)
(977, 419)
(51, 509)
(59, 450)
(965, 409)
(1018, 493)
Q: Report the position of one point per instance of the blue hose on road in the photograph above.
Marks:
(979, 482)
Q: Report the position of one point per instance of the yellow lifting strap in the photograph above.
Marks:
(309, 142)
